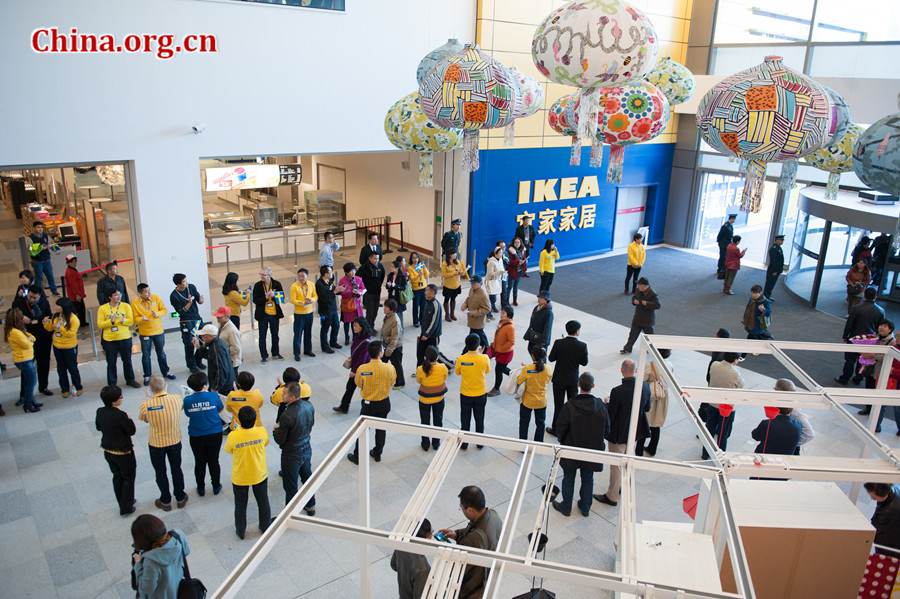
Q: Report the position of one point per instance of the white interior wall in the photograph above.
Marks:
(284, 81)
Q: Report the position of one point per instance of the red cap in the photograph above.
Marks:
(725, 409)
(223, 311)
(70, 257)
(771, 412)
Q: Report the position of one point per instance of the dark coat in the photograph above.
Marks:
(372, 276)
(116, 428)
(430, 319)
(295, 424)
(259, 300)
(219, 368)
(583, 422)
(106, 286)
(484, 533)
(726, 234)
(327, 302)
(366, 251)
(520, 233)
(776, 261)
(412, 573)
(780, 435)
(540, 326)
(450, 242)
(620, 399)
(886, 521)
(645, 316)
(36, 312)
(569, 353)
(863, 319)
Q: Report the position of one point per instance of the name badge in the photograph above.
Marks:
(467, 363)
(114, 329)
(270, 304)
(365, 374)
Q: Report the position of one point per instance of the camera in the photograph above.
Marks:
(198, 128)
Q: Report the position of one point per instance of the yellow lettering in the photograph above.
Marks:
(588, 216)
(521, 217)
(546, 225)
(589, 187)
(545, 190)
(568, 188)
(524, 192)
(567, 218)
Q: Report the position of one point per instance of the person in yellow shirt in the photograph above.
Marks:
(418, 280)
(162, 411)
(375, 380)
(472, 366)
(536, 377)
(247, 446)
(149, 311)
(64, 328)
(637, 255)
(21, 343)
(290, 375)
(115, 319)
(235, 299)
(432, 378)
(547, 264)
(303, 296)
(244, 395)
(453, 271)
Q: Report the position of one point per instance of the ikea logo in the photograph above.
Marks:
(569, 188)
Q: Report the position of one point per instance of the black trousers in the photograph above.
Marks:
(849, 370)
(499, 371)
(719, 428)
(206, 454)
(654, 440)
(771, 281)
(632, 274)
(261, 494)
(396, 360)
(349, 390)
(472, 406)
(634, 333)
(115, 350)
(546, 281)
(483, 340)
(124, 470)
(270, 324)
(158, 457)
(720, 267)
(43, 346)
(422, 345)
(432, 413)
(370, 305)
(562, 392)
(375, 409)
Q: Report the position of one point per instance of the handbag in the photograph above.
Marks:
(348, 362)
(190, 588)
(407, 294)
(510, 387)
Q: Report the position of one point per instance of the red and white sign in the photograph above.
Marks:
(244, 176)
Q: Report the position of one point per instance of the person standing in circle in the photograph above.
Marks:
(432, 379)
(64, 328)
(21, 342)
(115, 320)
(116, 430)
(472, 366)
(185, 298)
(235, 299)
(453, 271)
(418, 279)
(268, 295)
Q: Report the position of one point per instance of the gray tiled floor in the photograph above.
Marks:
(61, 536)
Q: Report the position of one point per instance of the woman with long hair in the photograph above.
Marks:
(659, 401)
(396, 285)
(21, 342)
(515, 267)
(547, 264)
(235, 299)
(493, 277)
(159, 557)
(351, 288)
(64, 328)
(418, 279)
(432, 378)
(858, 278)
(453, 271)
(359, 355)
(535, 376)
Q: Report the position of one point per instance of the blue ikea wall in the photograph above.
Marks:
(494, 197)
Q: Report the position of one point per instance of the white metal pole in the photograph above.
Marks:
(364, 511)
(636, 396)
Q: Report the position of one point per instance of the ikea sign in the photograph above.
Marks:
(566, 188)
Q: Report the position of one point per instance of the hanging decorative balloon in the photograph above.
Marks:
(573, 115)
(408, 128)
(876, 157)
(558, 119)
(531, 99)
(112, 174)
(592, 43)
(469, 90)
(767, 113)
(435, 56)
(673, 79)
(841, 120)
(836, 158)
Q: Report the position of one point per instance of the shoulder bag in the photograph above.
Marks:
(190, 588)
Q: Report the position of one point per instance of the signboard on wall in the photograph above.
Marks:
(252, 176)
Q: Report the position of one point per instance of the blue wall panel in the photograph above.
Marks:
(495, 197)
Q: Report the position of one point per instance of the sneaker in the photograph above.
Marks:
(166, 507)
(310, 511)
(353, 458)
(78, 392)
(464, 446)
(217, 489)
(558, 507)
(397, 387)
(146, 380)
(182, 502)
(493, 393)
(20, 402)
(602, 498)
(263, 360)
(169, 376)
(375, 456)
(278, 357)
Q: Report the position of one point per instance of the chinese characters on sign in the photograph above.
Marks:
(568, 218)
(569, 188)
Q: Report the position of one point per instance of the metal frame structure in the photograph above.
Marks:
(449, 561)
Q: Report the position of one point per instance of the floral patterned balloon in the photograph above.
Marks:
(589, 43)
(531, 94)
(435, 56)
(408, 128)
(557, 115)
(836, 158)
(632, 114)
(673, 79)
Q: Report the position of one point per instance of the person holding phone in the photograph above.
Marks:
(115, 319)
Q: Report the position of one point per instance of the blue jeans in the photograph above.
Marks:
(418, 303)
(540, 416)
(329, 323)
(66, 367)
(303, 332)
(27, 382)
(157, 342)
(44, 268)
(513, 290)
(504, 293)
(584, 493)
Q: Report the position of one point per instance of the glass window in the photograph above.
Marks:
(875, 61)
(763, 21)
(728, 60)
(838, 21)
(323, 4)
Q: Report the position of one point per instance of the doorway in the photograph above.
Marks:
(631, 208)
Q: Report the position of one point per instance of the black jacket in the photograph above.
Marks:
(780, 435)
(116, 428)
(219, 369)
(179, 301)
(726, 233)
(863, 319)
(373, 277)
(886, 521)
(430, 319)
(36, 312)
(645, 316)
(327, 302)
(259, 300)
(569, 353)
(366, 251)
(106, 286)
(520, 233)
(450, 242)
(540, 326)
(619, 408)
(583, 422)
(294, 426)
(776, 261)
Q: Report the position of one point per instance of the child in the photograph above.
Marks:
(244, 395)
(290, 375)
(247, 445)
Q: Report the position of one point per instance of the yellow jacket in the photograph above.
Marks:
(418, 279)
(121, 328)
(235, 300)
(148, 325)
(452, 274)
(472, 366)
(548, 260)
(535, 395)
(63, 337)
(432, 386)
(375, 380)
(301, 295)
(637, 254)
(22, 345)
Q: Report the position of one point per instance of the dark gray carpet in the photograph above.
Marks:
(693, 304)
